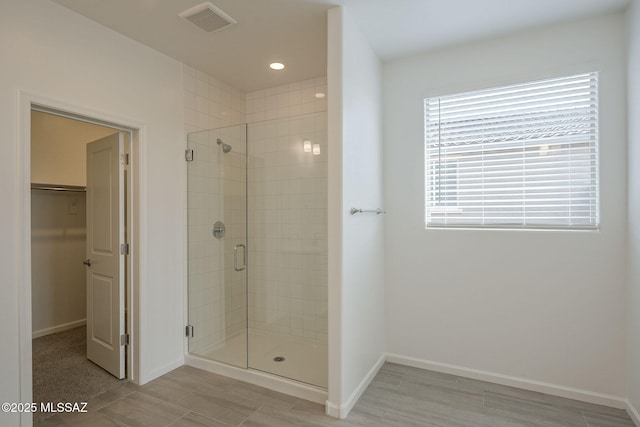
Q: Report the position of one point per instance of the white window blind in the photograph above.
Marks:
(521, 156)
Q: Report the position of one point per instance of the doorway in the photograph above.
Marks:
(55, 263)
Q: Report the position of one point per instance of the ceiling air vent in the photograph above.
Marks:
(208, 17)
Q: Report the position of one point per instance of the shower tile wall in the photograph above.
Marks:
(288, 211)
(307, 96)
(300, 300)
(234, 183)
(208, 103)
(217, 294)
(206, 257)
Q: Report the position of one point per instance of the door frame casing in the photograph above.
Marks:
(135, 192)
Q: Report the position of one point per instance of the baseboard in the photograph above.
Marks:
(342, 410)
(259, 378)
(633, 413)
(157, 373)
(332, 409)
(523, 383)
(58, 328)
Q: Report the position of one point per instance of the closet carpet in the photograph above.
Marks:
(62, 373)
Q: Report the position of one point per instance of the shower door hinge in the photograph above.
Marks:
(124, 249)
(124, 339)
(188, 331)
(124, 159)
(188, 155)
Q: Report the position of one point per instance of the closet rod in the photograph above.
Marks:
(50, 187)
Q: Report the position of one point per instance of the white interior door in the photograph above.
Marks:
(105, 263)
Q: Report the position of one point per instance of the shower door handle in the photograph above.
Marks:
(235, 257)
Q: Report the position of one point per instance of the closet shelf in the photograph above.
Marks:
(57, 187)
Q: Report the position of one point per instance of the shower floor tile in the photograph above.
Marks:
(233, 352)
(304, 360)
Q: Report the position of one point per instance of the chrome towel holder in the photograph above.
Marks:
(377, 211)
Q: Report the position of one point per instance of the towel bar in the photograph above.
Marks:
(377, 211)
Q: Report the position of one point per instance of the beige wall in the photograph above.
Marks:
(58, 247)
(58, 148)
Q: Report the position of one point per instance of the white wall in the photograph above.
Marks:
(53, 53)
(356, 243)
(633, 298)
(546, 306)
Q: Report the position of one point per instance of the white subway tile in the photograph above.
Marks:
(214, 93)
(191, 117)
(202, 88)
(203, 104)
(189, 83)
(189, 70)
(190, 100)
(203, 77)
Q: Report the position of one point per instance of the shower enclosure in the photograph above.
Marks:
(257, 246)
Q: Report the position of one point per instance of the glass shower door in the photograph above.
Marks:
(217, 244)
(287, 181)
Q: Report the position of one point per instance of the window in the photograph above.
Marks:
(521, 156)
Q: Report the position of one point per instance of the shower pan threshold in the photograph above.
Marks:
(260, 378)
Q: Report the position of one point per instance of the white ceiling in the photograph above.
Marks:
(397, 28)
(294, 31)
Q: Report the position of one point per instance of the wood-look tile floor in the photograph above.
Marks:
(398, 396)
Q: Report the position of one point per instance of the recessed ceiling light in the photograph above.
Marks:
(276, 66)
(320, 95)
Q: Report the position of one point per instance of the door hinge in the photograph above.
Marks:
(188, 330)
(188, 155)
(124, 249)
(124, 159)
(124, 339)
